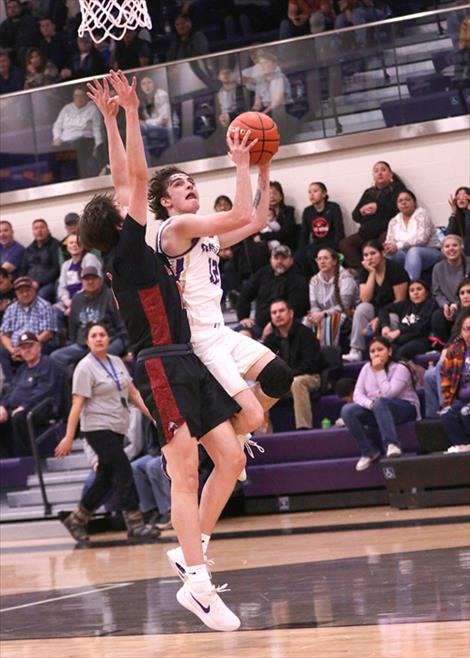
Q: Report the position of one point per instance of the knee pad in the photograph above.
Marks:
(276, 378)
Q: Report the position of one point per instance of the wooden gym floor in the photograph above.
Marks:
(360, 583)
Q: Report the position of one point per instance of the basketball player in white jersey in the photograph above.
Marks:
(192, 243)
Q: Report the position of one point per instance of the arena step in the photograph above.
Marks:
(69, 463)
(55, 494)
(60, 477)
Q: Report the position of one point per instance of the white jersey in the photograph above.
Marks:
(197, 270)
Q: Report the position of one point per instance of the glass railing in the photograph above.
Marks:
(359, 79)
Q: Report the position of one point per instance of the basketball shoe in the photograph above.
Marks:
(247, 443)
(176, 559)
(208, 606)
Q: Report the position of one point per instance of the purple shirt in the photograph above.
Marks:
(395, 382)
(12, 254)
(464, 388)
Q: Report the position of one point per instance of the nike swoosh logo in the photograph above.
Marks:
(203, 607)
(180, 568)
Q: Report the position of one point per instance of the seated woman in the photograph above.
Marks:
(381, 282)
(375, 209)
(333, 292)
(322, 226)
(384, 397)
(432, 376)
(459, 220)
(446, 277)
(412, 237)
(155, 118)
(407, 324)
(39, 71)
(281, 227)
(455, 415)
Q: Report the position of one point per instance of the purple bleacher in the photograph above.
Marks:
(441, 59)
(426, 84)
(14, 472)
(422, 108)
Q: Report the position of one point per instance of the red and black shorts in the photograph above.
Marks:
(177, 388)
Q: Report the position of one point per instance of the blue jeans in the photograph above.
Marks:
(433, 390)
(152, 485)
(456, 422)
(377, 428)
(417, 259)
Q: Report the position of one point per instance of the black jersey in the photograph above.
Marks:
(146, 291)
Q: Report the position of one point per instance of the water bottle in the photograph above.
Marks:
(326, 424)
(369, 332)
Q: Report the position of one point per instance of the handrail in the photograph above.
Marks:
(34, 449)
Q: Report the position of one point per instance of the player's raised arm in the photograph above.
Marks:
(109, 108)
(136, 162)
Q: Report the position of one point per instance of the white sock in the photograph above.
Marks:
(205, 539)
(198, 577)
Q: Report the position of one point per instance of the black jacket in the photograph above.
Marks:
(41, 264)
(371, 226)
(320, 227)
(265, 287)
(461, 226)
(287, 234)
(415, 319)
(301, 350)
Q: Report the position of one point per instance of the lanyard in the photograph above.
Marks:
(111, 372)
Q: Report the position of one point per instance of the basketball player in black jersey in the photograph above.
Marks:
(185, 400)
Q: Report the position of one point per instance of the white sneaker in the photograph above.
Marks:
(209, 607)
(365, 462)
(177, 563)
(247, 442)
(393, 450)
(462, 447)
(354, 355)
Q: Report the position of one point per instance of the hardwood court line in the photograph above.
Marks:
(66, 596)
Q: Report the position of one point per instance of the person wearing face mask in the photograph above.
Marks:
(459, 220)
(409, 330)
(412, 237)
(446, 277)
(375, 209)
(383, 398)
(322, 226)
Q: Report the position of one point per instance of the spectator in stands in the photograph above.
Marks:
(384, 397)
(36, 379)
(41, 260)
(356, 13)
(375, 209)
(94, 303)
(86, 61)
(7, 291)
(306, 16)
(299, 348)
(187, 42)
(344, 390)
(28, 313)
(102, 389)
(39, 71)
(278, 280)
(333, 293)
(230, 99)
(432, 376)
(249, 256)
(71, 220)
(272, 90)
(54, 46)
(155, 118)
(412, 237)
(11, 252)
(11, 77)
(78, 127)
(70, 281)
(132, 52)
(281, 227)
(446, 277)
(459, 220)
(381, 282)
(455, 415)
(407, 324)
(462, 56)
(322, 226)
(18, 32)
(56, 9)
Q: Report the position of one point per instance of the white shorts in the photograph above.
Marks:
(227, 354)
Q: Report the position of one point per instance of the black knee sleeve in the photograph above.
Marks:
(276, 378)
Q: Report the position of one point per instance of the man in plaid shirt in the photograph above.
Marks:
(28, 313)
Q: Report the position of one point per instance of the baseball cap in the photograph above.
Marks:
(91, 271)
(282, 250)
(27, 337)
(23, 282)
(71, 218)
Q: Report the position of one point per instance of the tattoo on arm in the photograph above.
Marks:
(257, 199)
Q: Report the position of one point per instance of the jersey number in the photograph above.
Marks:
(214, 274)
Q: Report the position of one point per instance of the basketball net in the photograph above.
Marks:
(112, 18)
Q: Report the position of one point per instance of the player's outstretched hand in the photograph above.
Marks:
(100, 94)
(239, 149)
(126, 92)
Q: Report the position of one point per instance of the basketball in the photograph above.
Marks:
(264, 129)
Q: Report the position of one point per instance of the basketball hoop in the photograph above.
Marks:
(112, 18)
